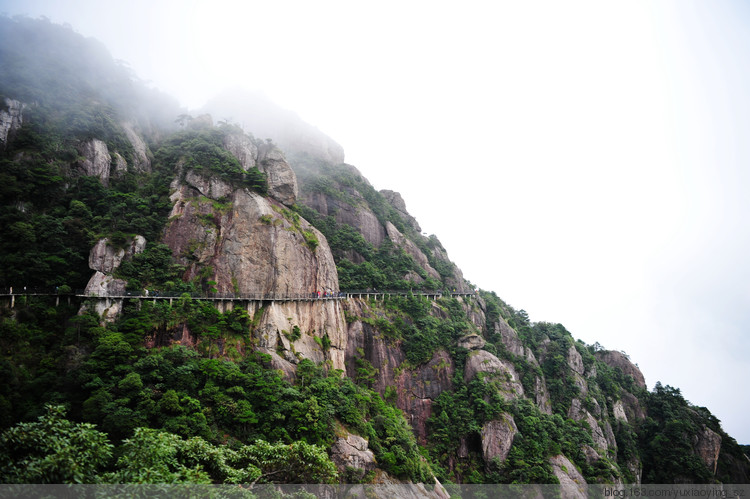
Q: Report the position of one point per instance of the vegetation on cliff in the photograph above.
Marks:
(466, 389)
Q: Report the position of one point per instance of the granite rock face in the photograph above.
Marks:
(315, 320)
(282, 182)
(243, 148)
(352, 451)
(96, 160)
(395, 199)
(573, 485)
(142, 156)
(104, 259)
(11, 119)
(415, 388)
(253, 246)
(707, 444)
(494, 369)
(620, 361)
(578, 413)
(575, 362)
(497, 438)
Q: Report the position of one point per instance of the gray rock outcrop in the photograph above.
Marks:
(619, 412)
(509, 337)
(252, 247)
(707, 444)
(104, 259)
(572, 483)
(282, 182)
(494, 369)
(395, 200)
(411, 249)
(575, 362)
(96, 160)
(315, 320)
(243, 148)
(351, 454)
(141, 158)
(415, 388)
(619, 361)
(357, 215)
(472, 342)
(497, 438)
(578, 413)
(11, 119)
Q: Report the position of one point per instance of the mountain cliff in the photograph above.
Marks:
(238, 290)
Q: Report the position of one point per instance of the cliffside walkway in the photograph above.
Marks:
(12, 293)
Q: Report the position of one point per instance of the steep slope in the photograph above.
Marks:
(97, 189)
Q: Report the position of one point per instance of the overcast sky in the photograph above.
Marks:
(587, 161)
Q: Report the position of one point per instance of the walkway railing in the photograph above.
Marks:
(159, 295)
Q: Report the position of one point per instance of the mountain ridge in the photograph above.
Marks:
(183, 205)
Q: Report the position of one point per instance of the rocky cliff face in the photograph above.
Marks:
(415, 389)
(252, 245)
(142, 155)
(282, 182)
(619, 361)
(497, 438)
(11, 119)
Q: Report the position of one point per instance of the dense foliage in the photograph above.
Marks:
(56, 450)
(120, 386)
(84, 400)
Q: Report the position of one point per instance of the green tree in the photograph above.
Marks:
(53, 450)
